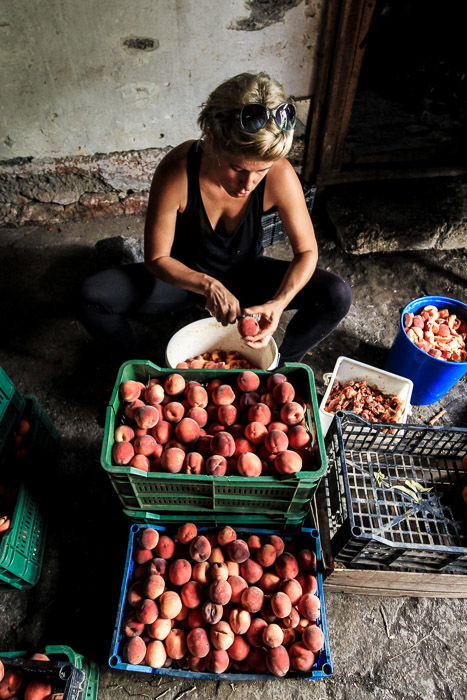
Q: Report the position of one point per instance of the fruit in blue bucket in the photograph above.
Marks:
(437, 332)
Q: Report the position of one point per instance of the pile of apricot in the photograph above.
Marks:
(247, 426)
(215, 602)
(16, 684)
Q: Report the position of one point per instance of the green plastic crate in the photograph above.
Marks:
(263, 499)
(11, 408)
(22, 546)
(79, 685)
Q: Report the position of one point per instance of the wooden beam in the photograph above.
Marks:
(396, 583)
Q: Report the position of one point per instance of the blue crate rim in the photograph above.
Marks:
(114, 661)
(340, 418)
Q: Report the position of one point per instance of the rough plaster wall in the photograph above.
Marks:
(115, 75)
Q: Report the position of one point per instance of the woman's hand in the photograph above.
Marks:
(270, 314)
(221, 303)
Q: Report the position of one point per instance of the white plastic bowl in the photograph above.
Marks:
(208, 334)
(346, 369)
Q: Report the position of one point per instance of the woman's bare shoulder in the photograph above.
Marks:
(281, 182)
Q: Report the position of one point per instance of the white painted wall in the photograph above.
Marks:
(70, 87)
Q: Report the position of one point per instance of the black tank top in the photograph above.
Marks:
(209, 250)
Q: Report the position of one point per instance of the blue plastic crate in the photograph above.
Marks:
(323, 664)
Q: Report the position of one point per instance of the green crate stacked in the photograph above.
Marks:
(22, 545)
(281, 501)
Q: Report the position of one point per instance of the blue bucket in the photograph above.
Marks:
(432, 377)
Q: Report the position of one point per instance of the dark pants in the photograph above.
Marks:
(109, 297)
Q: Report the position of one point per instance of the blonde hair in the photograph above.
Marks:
(218, 119)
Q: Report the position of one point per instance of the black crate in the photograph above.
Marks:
(374, 525)
(273, 229)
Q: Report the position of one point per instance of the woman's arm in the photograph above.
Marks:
(284, 191)
(168, 195)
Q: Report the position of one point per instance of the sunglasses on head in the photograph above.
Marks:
(254, 117)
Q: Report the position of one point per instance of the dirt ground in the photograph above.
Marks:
(384, 647)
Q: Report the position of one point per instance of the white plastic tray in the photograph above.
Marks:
(346, 369)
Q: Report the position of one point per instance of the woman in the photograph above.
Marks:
(203, 231)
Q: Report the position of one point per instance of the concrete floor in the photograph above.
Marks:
(382, 647)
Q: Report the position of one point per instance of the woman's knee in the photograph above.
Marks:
(339, 296)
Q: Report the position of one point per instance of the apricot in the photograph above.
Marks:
(301, 658)
(146, 417)
(154, 586)
(248, 326)
(200, 548)
(165, 547)
(255, 432)
(281, 604)
(132, 627)
(307, 559)
(223, 395)
(148, 538)
(173, 411)
(186, 532)
(156, 654)
(172, 460)
(308, 582)
(195, 618)
(130, 408)
(286, 565)
(187, 431)
(269, 582)
(288, 462)
(134, 651)
(175, 643)
(122, 453)
(251, 571)
(201, 572)
(154, 394)
(212, 612)
(278, 425)
(277, 661)
(130, 390)
(254, 543)
(222, 444)
(238, 551)
(309, 606)
(220, 592)
(239, 620)
(144, 445)
(249, 464)
(197, 396)
(225, 535)
(218, 661)
(196, 664)
(298, 437)
(147, 611)
(283, 393)
(124, 433)
(135, 593)
(233, 568)
(275, 441)
(252, 599)
(179, 572)
(219, 569)
(174, 384)
(140, 462)
(249, 398)
(37, 690)
(276, 542)
(254, 633)
(238, 585)
(216, 465)
(170, 604)
(292, 589)
(142, 556)
(158, 565)
(222, 635)
(272, 636)
(292, 620)
(193, 463)
(200, 415)
(162, 431)
(313, 638)
(259, 413)
(257, 660)
(266, 555)
(239, 649)
(197, 642)
(292, 413)
(160, 628)
(243, 445)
